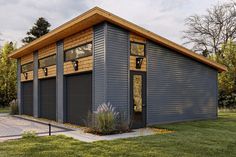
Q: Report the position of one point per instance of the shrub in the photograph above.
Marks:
(106, 118)
(29, 134)
(227, 100)
(14, 108)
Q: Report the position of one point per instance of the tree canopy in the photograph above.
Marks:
(7, 75)
(40, 28)
(207, 33)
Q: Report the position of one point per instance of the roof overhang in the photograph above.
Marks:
(98, 15)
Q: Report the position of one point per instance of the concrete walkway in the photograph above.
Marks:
(87, 137)
(11, 127)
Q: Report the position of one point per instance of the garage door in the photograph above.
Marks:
(27, 98)
(78, 98)
(47, 98)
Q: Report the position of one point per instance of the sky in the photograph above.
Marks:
(163, 17)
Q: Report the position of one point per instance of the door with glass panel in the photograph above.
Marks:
(138, 99)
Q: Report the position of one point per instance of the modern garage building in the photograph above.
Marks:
(99, 57)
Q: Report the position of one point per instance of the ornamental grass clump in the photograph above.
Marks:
(105, 119)
(14, 108)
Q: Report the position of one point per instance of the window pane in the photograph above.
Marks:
(51, 60)
(137, 93)
(27, 67)
(78, 52)
(137, 49)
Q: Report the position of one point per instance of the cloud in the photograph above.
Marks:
(163, 17)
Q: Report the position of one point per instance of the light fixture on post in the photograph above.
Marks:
(25, 75)
(75, 65)
(45, 71)
(139, 61)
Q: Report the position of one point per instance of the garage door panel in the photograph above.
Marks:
(48, 98)
(78, 98)
(27, 98)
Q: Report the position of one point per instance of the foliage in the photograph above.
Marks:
(14, 108)
(29, 134)
(4, 109)
(40, 28)
(7, 75)
(227, 80)
(105, 119)
(209, 32)
(211, 138)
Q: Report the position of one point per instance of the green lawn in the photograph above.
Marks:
(4, 109)
(216, 138)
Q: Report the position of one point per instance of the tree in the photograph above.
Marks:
(7, 75)
(227, 80)
(209, 32)
(40, 28)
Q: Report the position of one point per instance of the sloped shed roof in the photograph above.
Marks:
(97, 15)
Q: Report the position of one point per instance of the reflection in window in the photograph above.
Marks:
(137, 93)
(27, 67)
(137, 49)
(48, 61)
(78, 52)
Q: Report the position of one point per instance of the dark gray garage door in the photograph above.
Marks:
(27, 98)
(78, 98)
(47, 98)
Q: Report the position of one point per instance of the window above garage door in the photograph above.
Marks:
(47, 61)
(78, 52)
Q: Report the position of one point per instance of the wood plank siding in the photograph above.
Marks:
(51, 72)
(84, 64)
(30, 76)
(24, 60)
(138, 39)
(45, 52)
(27, 59)
(78, 39)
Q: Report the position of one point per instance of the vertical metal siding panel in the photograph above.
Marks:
(99, 66)
(60, 82)
(35, 86)
(19, 85)
(178, 87)
(117, 68)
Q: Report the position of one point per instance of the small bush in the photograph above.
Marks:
(29, 134)
(106, 120)
(227, 101)
(14, 108)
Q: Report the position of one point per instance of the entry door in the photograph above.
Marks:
(138, 99)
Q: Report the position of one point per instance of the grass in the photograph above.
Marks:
(211, 138)
(4, 109)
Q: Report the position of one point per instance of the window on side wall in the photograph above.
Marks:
(137, 49)
(47, 61)
(78, 52)
(27, 67)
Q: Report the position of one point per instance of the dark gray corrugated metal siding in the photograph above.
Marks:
(178, 87)
(117, 67)
(99, 66)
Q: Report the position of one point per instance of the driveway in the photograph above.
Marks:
(13, 127)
